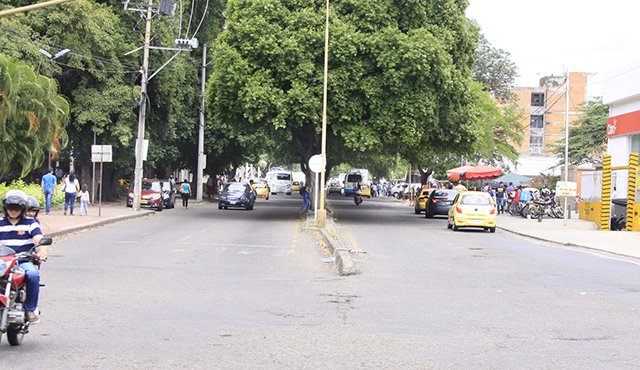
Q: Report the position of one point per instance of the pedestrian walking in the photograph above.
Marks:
(84, 200)
(185, 190)
(48, 185)
(306, 200)
(500, 197)
(70, 187)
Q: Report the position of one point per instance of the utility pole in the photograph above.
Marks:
(566, 143)
(201, 163)
(137, 185)
(322, 213)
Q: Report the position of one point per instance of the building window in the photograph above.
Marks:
(635, 143)
(537, 121)
(536, 140)
(537, 99)
(536, 144)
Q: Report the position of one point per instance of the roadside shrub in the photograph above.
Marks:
(34, 190)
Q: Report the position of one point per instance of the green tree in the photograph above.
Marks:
(32, 117)
(101, 82)
(587, 135)
(398, 79)
(495, 70)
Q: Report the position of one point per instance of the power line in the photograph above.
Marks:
(615, 76)
(204, 14)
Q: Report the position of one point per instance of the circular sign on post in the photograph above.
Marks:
(316, 163)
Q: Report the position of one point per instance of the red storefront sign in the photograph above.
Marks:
(623, 124)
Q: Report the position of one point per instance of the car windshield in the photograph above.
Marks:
(475, 200)
(283, 176)
(261, 185)
(151, 185)
(445, 194)
(233, 187)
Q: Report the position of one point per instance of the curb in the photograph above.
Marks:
(568, 244)
(106, 221)
(343, 260)
(344, 263)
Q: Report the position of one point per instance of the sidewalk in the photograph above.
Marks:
(56, 223)
(577, 233)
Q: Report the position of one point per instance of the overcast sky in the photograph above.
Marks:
(548, 36)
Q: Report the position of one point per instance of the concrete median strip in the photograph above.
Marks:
(344, 262)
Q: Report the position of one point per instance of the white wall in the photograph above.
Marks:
(619, 148)
(622, 84)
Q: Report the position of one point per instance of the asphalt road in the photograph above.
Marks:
(207, 288)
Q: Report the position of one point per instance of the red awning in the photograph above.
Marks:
(474, 173)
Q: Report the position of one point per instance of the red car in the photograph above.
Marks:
(151, 196)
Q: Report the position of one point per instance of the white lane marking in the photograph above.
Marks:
(240, 245)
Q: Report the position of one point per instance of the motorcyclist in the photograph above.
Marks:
(357, 190)
(23, 233)
(33, 208)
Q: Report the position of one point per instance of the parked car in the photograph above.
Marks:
(473, 209)
(168, 194)
(398, 189)
(334, 186)
(439, 202)
(421, 200)
(150, 196)
(238, 195)
(295, 186)
(262, 189)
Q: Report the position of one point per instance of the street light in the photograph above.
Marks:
(52, 59)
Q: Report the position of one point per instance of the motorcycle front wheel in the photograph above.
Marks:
(15, 336)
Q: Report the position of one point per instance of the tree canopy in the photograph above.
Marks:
(33, 117)
(587, 135)
(399, 80)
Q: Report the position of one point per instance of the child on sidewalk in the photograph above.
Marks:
(84, 200)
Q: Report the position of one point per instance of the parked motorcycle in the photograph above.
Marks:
(13, 318)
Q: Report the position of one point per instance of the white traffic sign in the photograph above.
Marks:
(316, 163)
(101, 153)
(566, 188)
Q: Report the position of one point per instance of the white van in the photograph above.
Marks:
(360, 176)
(280, 181)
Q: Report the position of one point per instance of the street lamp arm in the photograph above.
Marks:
(45, 53)
(32, 7)
(61, 53)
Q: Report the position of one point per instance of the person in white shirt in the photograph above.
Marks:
(84, 200)
(70, 187)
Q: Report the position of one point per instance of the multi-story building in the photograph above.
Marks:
(544, 121)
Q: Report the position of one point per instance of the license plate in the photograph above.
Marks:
(233, 202)
(144, 201)
(475, 222)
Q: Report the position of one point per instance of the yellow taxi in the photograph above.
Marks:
(365, 190)
(295, 186)
(473, 209)
(421, 200)
(262, 189)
